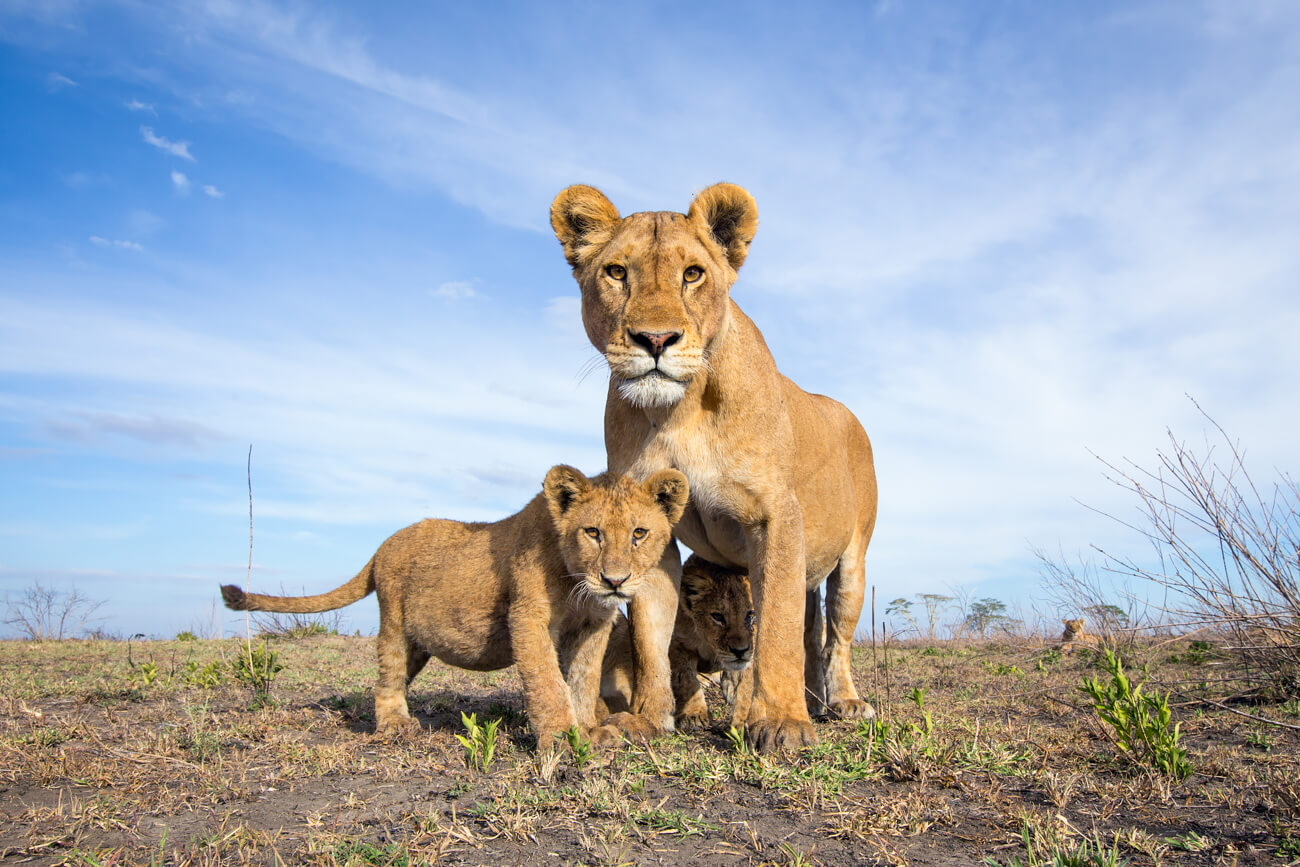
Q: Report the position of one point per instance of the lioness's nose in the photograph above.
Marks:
(614, 581)
(655, 342)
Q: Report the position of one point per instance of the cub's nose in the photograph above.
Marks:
(655, 342)
(614, 581)
(740, 652)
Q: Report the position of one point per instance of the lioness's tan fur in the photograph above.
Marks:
(539, 589)
(782, 481)
(714, 632)
(1075, 635)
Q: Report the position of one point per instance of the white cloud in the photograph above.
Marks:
(212, 192)
(181, 182)
(137, 105)
(175, 148)
(57, 81)
(456, 290)
(122, 245)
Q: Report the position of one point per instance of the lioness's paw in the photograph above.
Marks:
(852, 708)
(791, 734)
(693, 720)
(635, 726)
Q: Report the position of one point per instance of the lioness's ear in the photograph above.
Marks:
(731, 216)
(584, 221)
(671, 491)
(562, 487)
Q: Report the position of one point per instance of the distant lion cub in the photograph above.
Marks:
(714, 632)
(539, 589)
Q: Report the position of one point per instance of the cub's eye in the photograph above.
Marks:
(592, 532)
(639, 533)
(749, 620)
(692, 274)
(719, 619)
(617, 272)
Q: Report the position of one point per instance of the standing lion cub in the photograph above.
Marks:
(539, 589)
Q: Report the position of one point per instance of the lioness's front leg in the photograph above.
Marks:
(778, 715)
(653, 613)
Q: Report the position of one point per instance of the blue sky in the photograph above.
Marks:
(1004, 234)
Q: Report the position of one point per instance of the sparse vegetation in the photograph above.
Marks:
(479, 741)
(257, 667)
(1141, 724)
(964, 764)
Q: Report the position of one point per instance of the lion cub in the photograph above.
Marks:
(539, 589)
(714, 632)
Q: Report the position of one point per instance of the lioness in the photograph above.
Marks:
(714, 632)
(539, 589)
(782, 481)
(1075, 635)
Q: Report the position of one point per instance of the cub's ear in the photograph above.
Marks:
(562, 488)
(729, 213)
(697, 584)
(584, 221)
(671, 491)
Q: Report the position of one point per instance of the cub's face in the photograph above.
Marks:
(719, 604)
(612, 530)
(655, 285)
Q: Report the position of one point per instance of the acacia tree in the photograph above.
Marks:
(43, 613)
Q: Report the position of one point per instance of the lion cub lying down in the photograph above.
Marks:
(539, 589)
(714, 632)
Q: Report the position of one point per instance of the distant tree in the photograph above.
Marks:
(43, 613)
(934, 603)
(902, 607)
(984, 613)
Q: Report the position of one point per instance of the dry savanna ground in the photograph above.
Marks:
(163, 757)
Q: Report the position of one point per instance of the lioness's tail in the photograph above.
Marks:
(358, 588)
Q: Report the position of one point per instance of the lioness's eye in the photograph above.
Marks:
(693, 273)
(618, 272)
(639, 533)
(719, 619)
(592, 532)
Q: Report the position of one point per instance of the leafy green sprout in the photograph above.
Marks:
(479, 741)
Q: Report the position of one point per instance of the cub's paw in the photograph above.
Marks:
(635, 726)
(852, 708)
(693, 720)
(766, 735)
(395, 726)
(604, 735)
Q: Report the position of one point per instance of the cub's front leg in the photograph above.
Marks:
(692, 709)
(583, 656)
(546, 695)
(653, 613)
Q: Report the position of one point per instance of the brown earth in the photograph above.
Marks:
(99, 767)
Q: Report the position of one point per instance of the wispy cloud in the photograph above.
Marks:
(456, 290)
(137, 105)
(57, 81)
(175, 148)
(181, 183)
(92, 426)
(212, 192)
(122, 245)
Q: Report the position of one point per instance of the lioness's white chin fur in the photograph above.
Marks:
(651, 390)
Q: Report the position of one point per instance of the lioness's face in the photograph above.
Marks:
(611, 532)
(654, 285)
(718, 601)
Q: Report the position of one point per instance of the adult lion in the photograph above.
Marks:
(782, 481)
